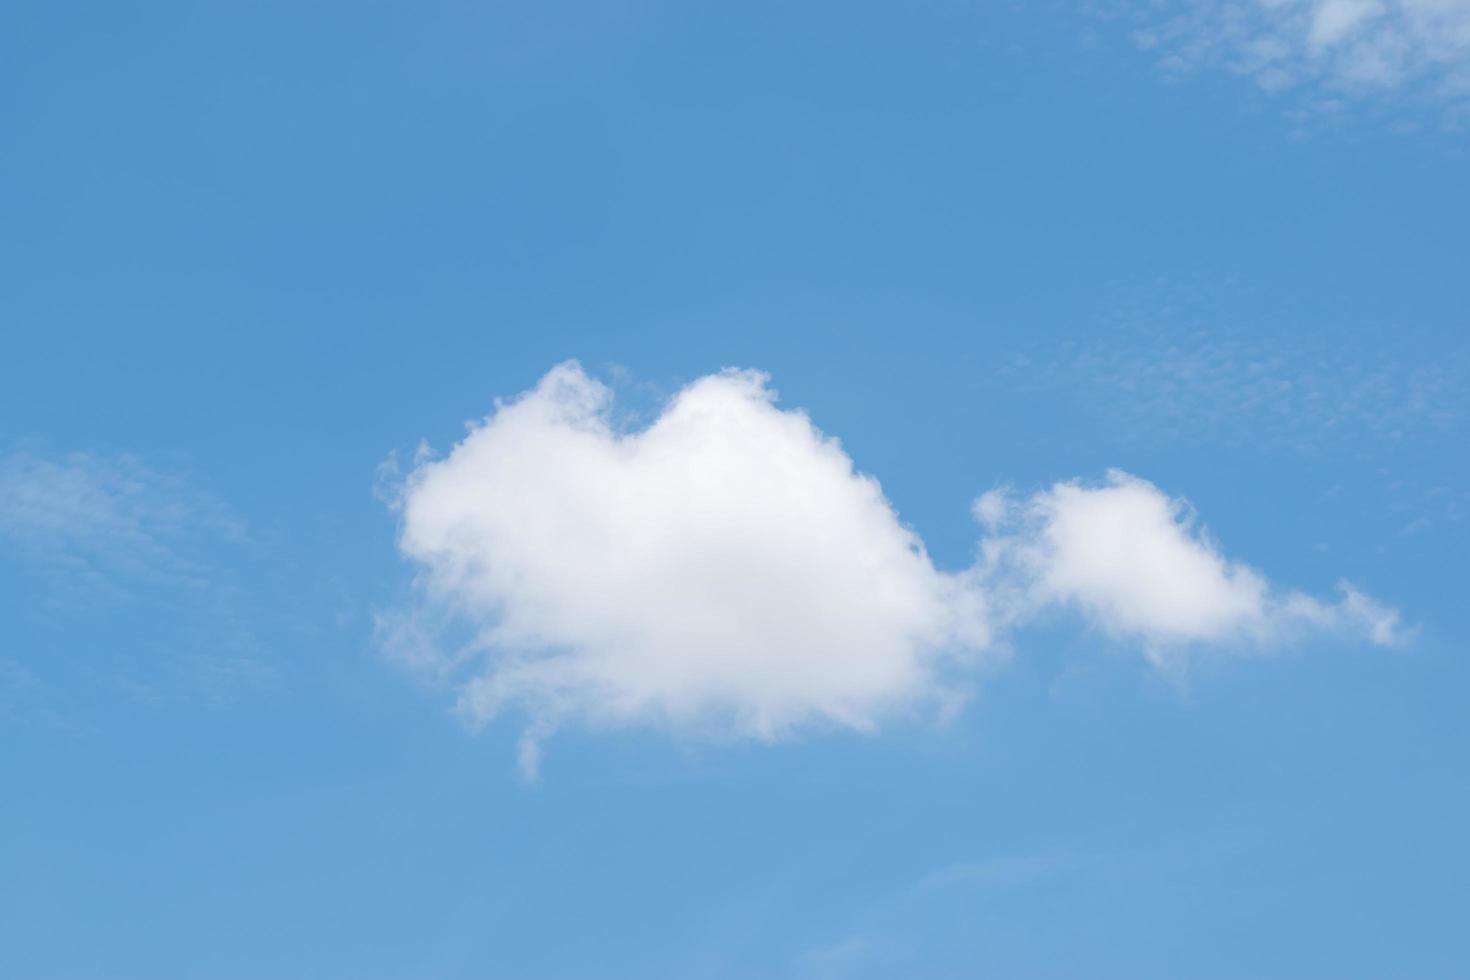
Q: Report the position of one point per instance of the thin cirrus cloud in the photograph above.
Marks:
(112, 540)
(107, 522)
(1342, 49)
(727, 571)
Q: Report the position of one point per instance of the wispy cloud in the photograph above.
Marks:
(883, 939)
(998, 915)
(107, 521)
(728, 570)
(1162, 364)
(1333, 51)
(111, 539)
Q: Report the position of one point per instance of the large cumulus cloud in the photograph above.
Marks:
(726, 569)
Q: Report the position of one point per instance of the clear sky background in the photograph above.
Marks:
(252, 253)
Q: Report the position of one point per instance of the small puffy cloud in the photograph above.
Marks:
(727, 571)
(1132, 560)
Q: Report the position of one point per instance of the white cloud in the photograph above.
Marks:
(724, 570)
(1353, 48)
(1133, 562)
(727, 571)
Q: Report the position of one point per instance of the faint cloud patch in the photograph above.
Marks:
(1160, 368)
(967, 897)
(108, 521)
(1014, 915)
(1331, 52)
(124, 578)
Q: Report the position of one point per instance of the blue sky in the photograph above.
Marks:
(1143, 656)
